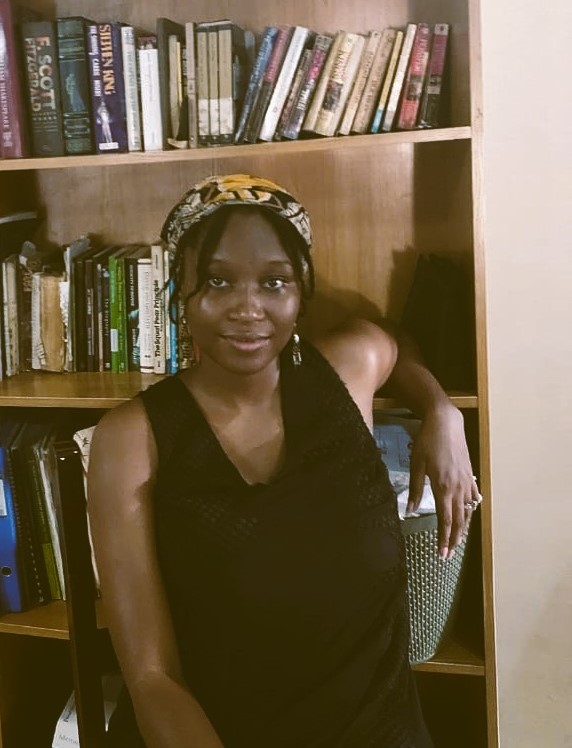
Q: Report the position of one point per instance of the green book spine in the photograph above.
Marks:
(121, 316)
(113, 315)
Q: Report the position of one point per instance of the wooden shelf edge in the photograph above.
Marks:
(47, 621)
(462, 400)
(453, 658)
(233, 151)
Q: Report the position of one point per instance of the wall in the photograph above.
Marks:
(527, 105)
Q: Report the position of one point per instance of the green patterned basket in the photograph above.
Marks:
(432, 586)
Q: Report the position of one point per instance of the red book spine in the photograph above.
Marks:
(14, 142)
(415, 78)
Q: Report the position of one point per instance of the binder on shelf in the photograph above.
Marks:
(12, 597)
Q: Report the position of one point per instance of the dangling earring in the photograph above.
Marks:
(188, 349)
(296, 352)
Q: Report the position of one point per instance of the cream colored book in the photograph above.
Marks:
(399, 79)
(320, 90)
(339, 86)
(362, 76)
(370, 96)
(386, 87)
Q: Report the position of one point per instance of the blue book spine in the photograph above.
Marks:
(107, 87)
(11, 592)
(260, 63)
(174, 360)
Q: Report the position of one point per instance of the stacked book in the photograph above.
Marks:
(70, 86)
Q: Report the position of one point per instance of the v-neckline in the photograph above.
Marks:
(222, 451)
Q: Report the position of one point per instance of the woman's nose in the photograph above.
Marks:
(247, 304)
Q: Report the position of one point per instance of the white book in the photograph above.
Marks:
(320, 90)
(398, 80)
(145, 300)
(359, 83)
(10, 298)
(284, 81)
(152, 125)
(339, 86)
(167, 305)
(158, 282)
(130, 77)
(191, 84)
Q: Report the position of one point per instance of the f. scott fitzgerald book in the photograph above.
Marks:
(43, 88)
(107, 87)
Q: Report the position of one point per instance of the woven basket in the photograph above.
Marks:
(432, 586)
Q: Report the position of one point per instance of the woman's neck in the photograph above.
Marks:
(230, 388)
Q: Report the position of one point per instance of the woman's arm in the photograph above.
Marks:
(122, 468)
(440, 449)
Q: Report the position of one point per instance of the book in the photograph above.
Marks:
(43, 95)
(158, 286)
(107, 87)
(399, 78)
(267, 84)
(262, 58)
(293, 125)
(341, 79)
(370, 96)
(293, 93)
(381, 107)
(167, 30)
(132, 306)
(233, 67)
(131, 85)
(202, 73)
(48, 329)
(101, 307)
(14, 134)
(12, 586)
(298, 40)
(191, 80)
(75, 86)
(10, 314)
(117, 319)
(358, 88)
(214, 96)
(67, 300)
(82, 279)
(146, 306)
(151, 119)
(429, 115)
(315, 105)
(415, 78)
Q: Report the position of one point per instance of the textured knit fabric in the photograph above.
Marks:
(288, 598)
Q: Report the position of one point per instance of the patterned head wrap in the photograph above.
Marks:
(233, 189)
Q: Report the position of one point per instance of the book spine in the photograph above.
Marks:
(11, 579)
(398, 80)
(150, 102)
(299, 78)
(413, 87)
(339, 84)
(43, 88)
(74, 82)
(268, 82)
(131, 84)
(364, 114)
(360, 81)
(132, 313)
(113, 315)
(10, 296)
(191, 84)
(48, 476)
(90, 315)
(203, 85)
(105, 317)
(166, 310)
(145, 296)
(107, 87)
(320, 91)
(80, 310)
(292, 56)
(168, 64)
(158, 279)
(25, 316)
(122, 360)
(14, 138)
(214, 101)
(262, 58)
(307, 87)
(386, 87)
(429, 109)
(225, 85)
(36, 363)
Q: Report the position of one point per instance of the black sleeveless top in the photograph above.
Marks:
(288, 598)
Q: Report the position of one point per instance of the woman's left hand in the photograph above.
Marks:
(440, 452)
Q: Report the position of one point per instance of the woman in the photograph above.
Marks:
(247, 538)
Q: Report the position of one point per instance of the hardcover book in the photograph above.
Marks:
(39, 43)
(13, 121)
(75, 88)
(415, 78)
(431, 98)
(202, 72)
(107, 87)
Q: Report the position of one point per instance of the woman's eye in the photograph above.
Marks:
(275, 283)
(216, 281)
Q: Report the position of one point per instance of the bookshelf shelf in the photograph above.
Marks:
(296, 147)
(106, 390)
(454, 658)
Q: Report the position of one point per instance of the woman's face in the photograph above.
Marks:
(245, 313)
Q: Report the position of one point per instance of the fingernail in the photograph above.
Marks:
(443, 553)
(451, 553)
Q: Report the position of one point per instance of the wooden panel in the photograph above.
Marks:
(48, 621)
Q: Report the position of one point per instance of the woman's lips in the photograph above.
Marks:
(247, 343)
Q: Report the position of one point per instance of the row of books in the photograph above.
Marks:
(108, 309)
(105, 87)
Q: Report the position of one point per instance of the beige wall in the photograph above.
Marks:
(527, 58)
